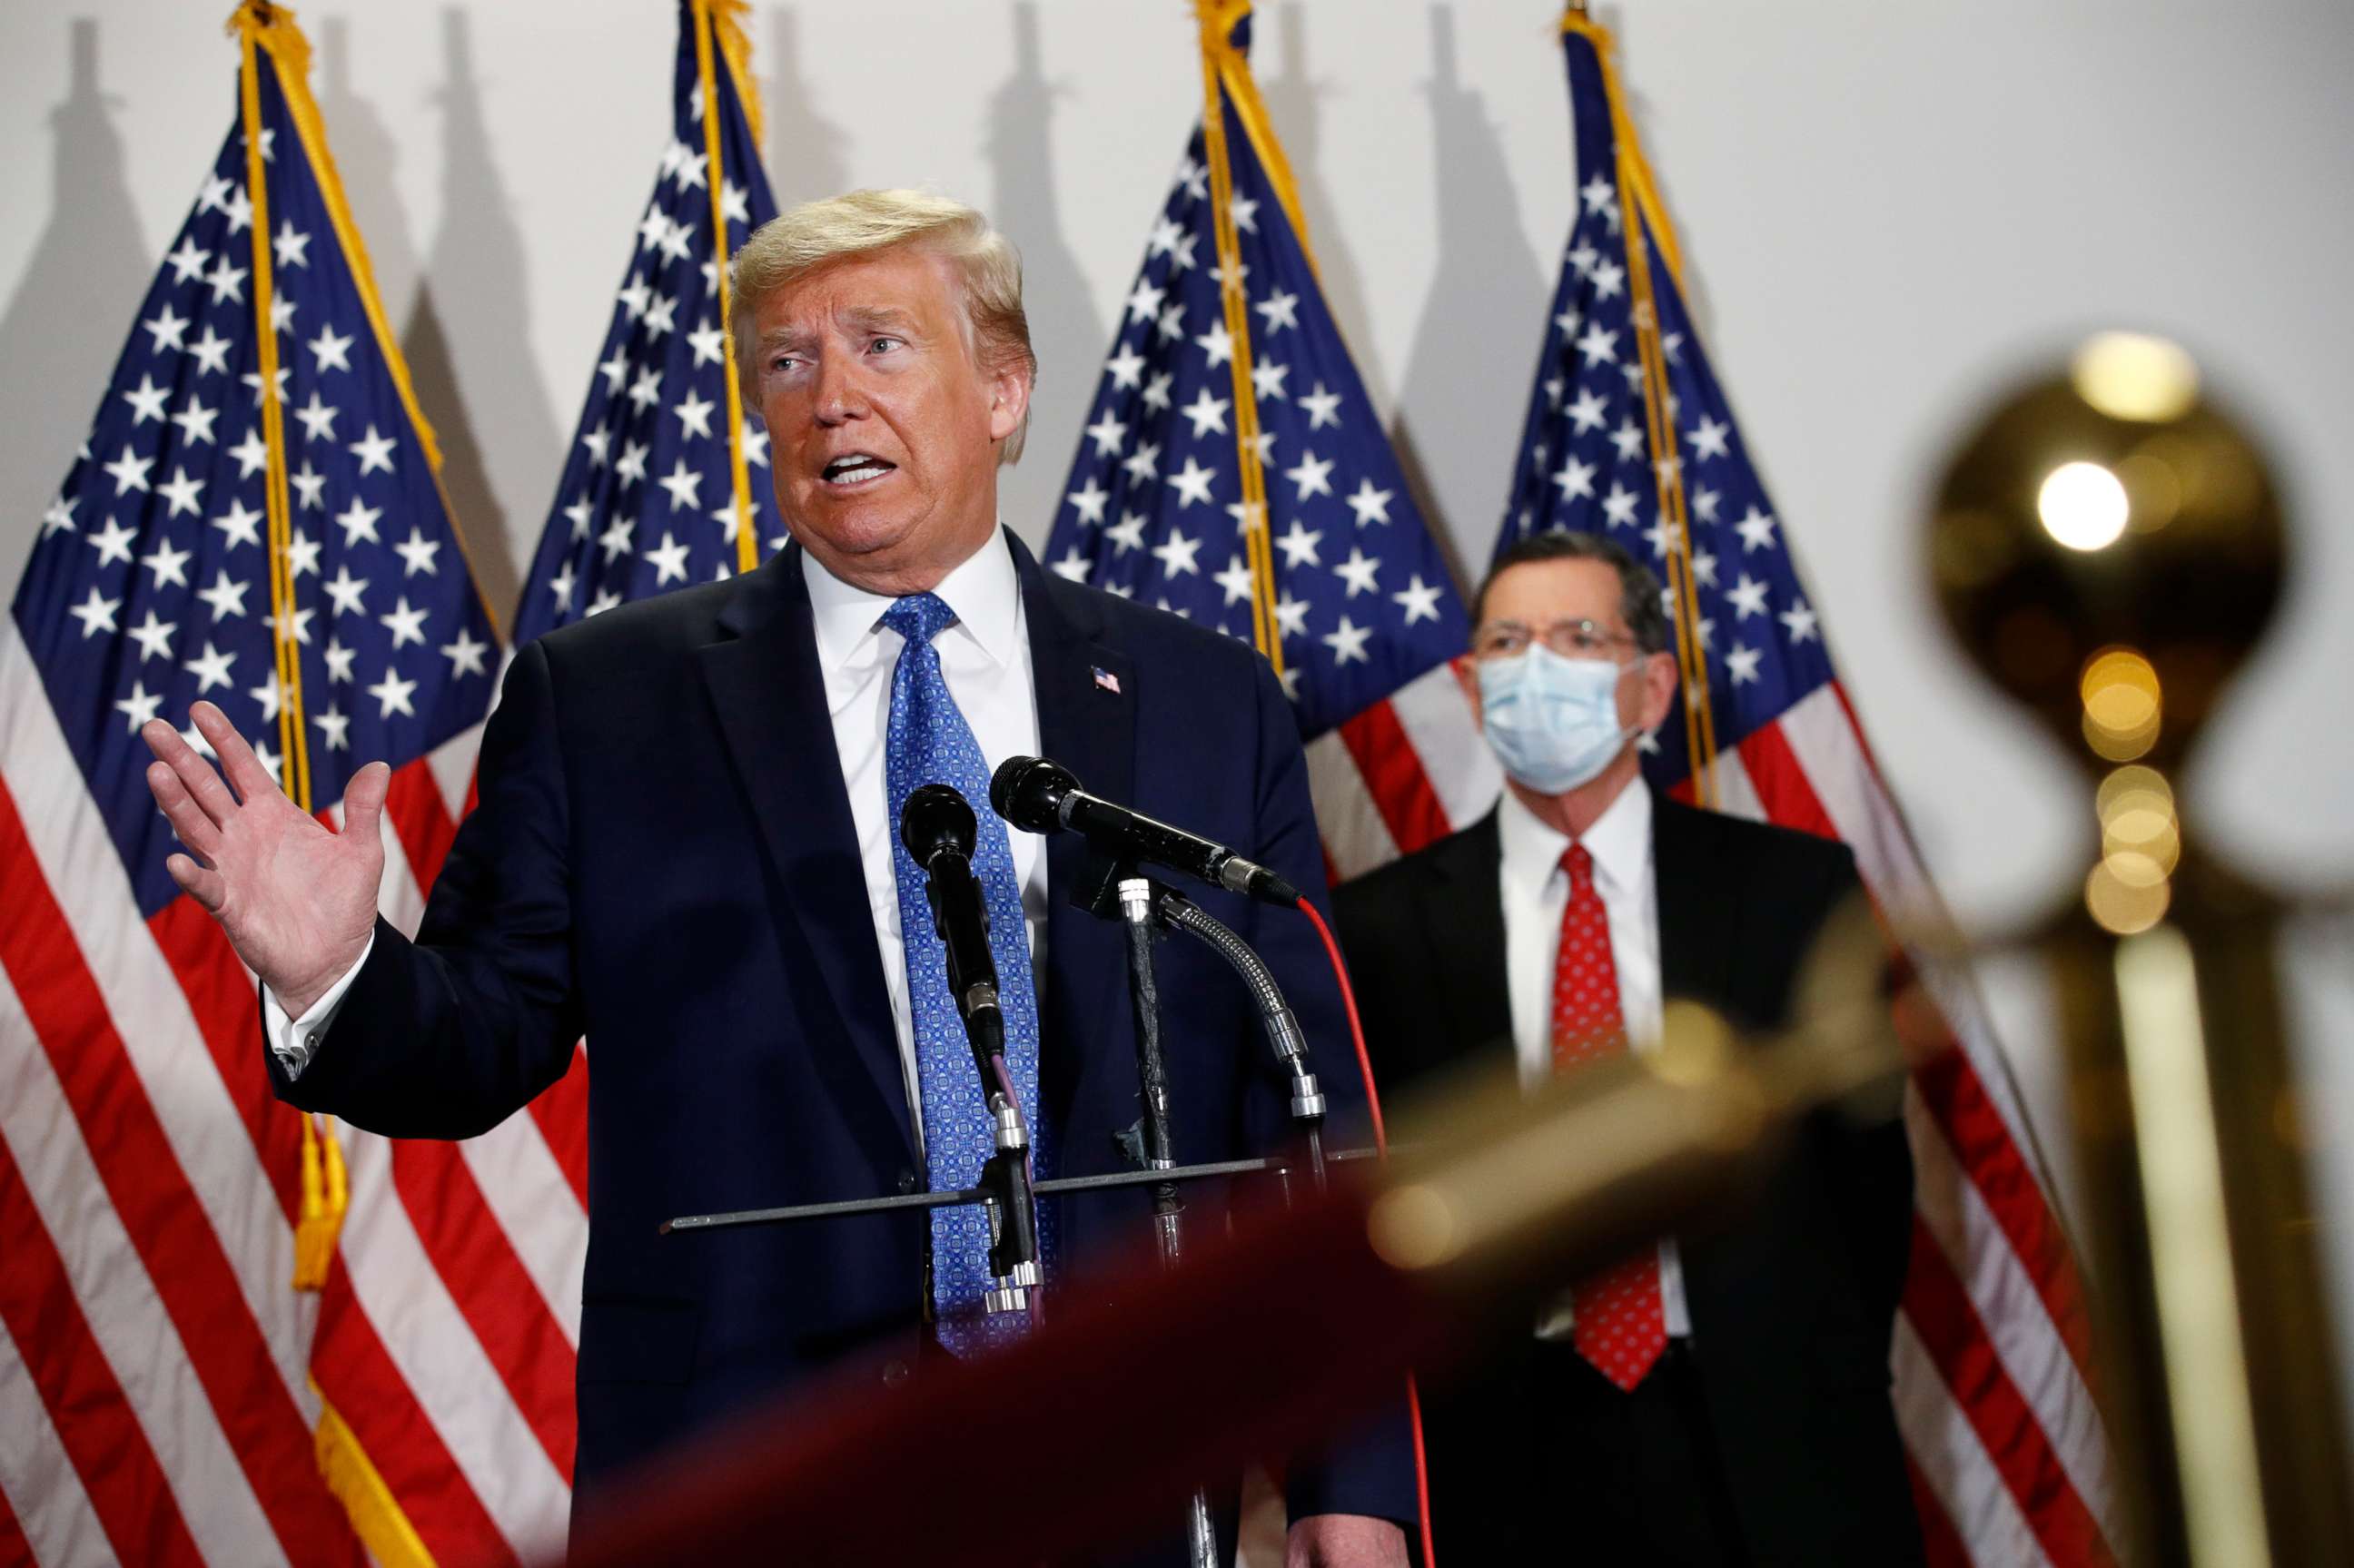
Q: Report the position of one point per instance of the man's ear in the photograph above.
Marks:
(1009, 400)
(1466, 675)
(1659, 675)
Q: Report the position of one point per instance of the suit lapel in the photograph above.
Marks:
(770, 697)
(1462, 913)
(1696, 908)
(1088, 725)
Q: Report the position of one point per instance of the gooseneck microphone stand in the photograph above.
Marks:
(1045, 796)
(1174, 910)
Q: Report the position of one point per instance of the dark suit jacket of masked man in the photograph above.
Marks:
(663, 860)
(1792, 1296)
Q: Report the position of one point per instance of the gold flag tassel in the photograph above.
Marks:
(326, 1193)
(352, 1476)
(1227, 87)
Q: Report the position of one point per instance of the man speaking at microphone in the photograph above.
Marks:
(687, 850)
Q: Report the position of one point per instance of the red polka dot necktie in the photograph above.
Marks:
(1621, 1323)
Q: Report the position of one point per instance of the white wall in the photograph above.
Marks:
(1887, 211)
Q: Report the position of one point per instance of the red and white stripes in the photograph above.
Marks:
(157, 1368)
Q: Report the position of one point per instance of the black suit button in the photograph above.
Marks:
(907, 1180)
(894, 1372)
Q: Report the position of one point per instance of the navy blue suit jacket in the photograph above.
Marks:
(663, 860)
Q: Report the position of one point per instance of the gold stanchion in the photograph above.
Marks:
(2108, 548)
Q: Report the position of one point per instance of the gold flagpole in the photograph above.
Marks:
(709, 15)
(1217, 18)
(294, 774)
(375, 1514)
(1643, 217)
(272, 28)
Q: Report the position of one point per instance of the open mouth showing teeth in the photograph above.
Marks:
(854, 469)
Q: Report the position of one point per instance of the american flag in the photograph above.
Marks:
(1362, 602)
(1990, 1353)
(649, 500)
(171, 1397)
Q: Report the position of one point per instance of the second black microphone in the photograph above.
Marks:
(1040, 796)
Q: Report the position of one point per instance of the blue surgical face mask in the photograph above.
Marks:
(1552, 722)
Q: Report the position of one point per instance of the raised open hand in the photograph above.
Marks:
(297, 900)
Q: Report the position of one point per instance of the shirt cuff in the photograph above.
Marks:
(292, 1039)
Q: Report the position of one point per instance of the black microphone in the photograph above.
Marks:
(1039, 796)
(937, 826)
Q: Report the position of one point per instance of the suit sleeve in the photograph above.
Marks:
(449, 1036)
(1368, 1470)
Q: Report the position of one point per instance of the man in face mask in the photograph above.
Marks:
(1570, 670)
(1722, 1396)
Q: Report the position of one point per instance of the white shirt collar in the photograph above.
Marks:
(1619, 840)
(984, 591)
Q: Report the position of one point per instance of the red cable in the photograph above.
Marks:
(1382, 1145)
(1356, 1027)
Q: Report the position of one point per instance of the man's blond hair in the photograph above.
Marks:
(820, 234)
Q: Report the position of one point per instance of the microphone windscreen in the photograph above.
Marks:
(936, 817)
(1027, 792)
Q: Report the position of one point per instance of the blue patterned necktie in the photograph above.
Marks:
(928, 742)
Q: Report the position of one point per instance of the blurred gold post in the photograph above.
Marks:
(2108, 549)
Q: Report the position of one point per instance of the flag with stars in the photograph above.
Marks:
(650, 499)
(1990, 1355)
(1365, 610)
(255, 520)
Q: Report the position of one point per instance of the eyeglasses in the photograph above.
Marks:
(1569, 639)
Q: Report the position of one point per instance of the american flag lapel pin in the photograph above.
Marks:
(1106, 681)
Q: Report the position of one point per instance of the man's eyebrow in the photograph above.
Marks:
(859, 320)
(878, 318)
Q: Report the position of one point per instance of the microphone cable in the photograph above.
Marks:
(1382, 1147)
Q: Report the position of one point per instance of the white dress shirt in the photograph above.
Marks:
(985, 659)
(1535, 886)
